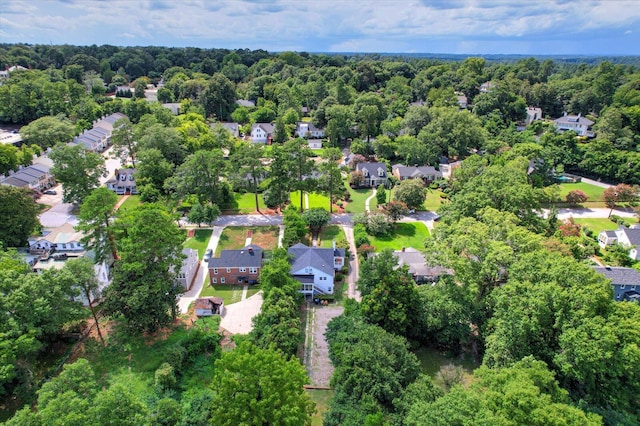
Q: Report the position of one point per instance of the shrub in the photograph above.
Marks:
(576, 197)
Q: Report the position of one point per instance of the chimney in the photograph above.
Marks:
(250, 250)
(334, 245)
(403, 249)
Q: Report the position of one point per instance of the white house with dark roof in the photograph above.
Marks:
(308, 130)
(189, 268)
(627, 237)
(123, 182)
(625, 282)
(315, 267)
(375, 174)
(577, 123)
(426, 173)
(262, 133)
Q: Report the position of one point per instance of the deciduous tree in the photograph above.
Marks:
(78, 169)
(18, 216)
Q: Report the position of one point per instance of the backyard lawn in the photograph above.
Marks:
(602, 224)
(406, 235)
(229, 293)
(315, 200)
(358, 198)
(321, 397)
(199, 241)
(234, 237)
(433, 200)
(593, 192)
(246, 203)
(331, 233)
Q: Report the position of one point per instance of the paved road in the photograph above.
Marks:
(590, 213)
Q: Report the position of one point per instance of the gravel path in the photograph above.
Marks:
(317, 359)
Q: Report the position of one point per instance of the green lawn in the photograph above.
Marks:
(321, 398)
(246, 203)
(431, 360)
(358, 198)
(331, 233)
(593, 192)
(602, 224)
(229, 293)
(234, 237)
(199, 241)
(406, 235)
(315, 200)
(131, 203)
(433, 200)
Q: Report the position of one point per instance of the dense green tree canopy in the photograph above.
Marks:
(18, 216)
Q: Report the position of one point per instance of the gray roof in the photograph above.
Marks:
(14, 181)
(238, 258)
(245, 103)
(316, 257)
(573, 119)
(416, 171)
(417, 263)
(619, 275)
(372, 168)
(610, 233)
(633, 235)
(267, 127)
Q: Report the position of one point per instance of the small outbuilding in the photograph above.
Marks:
(209, 306)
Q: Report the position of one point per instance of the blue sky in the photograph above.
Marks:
(584, 27)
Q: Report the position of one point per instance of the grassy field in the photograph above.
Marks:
(602, 224)
(321, 398)
(246, 203)
(329, 234)
(234, 237)
(433, 200)
(358, 198)
(406, 235)
(432, 360)
(199, 241)
(229, 293)
(315, 200)
(130, 203)
(593, 192)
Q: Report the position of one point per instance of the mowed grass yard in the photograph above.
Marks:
(229, 293)
(602, 224)
(246, 203)
(358, 199)
(199, 241)
(315, 200)
(331, 233)
(130, 203)
(593, 192)
(234, 237)
(434, 200)
(321, 397)
(410, 234)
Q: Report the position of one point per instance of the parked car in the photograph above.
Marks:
(50, 192)
(207, 255)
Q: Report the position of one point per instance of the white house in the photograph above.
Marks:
(315, 143)
(308, 130)
(262, 133)
(123, 182)
(189, 268)
(577, 123)
(627, 237)
(315, 267)
(375, 174)
(533, 114)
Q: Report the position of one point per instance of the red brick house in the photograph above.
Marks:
(236, 266)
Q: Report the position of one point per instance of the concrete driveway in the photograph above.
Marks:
(237, 317)
(58, 215)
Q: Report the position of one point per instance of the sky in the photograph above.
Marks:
(543, 27)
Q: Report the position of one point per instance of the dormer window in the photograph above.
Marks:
(123, 178)
(131, 177)
(380, 172)
(365, 172)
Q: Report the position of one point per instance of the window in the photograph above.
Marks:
(243, 269)
(64, 246)
(622, 286)
(222, 280)
(253, 270)
(228, 270)
(215, 271)
(330, 289)
(214, 280)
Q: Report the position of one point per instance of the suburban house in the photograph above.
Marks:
(375, 174)
(123, 182)
(627, 237)
(418, 267)
(56, 246)
(236, 266)
(315, 267)
(9, 70)
(208, 306)
(233, 128)
(36, 177)
(189, 268)
(577, 123)
(308, 130)
(462, 101)
(174, 107)
(625, 282)
(419, 102)
(262, 133)
(98, 138)
(426, 173)
(533, 114)
(245, 103)
(447, 168)
(487, 87)
(315, 143)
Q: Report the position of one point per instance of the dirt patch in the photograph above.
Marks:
(317, 360)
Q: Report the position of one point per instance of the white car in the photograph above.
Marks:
(207, 255)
